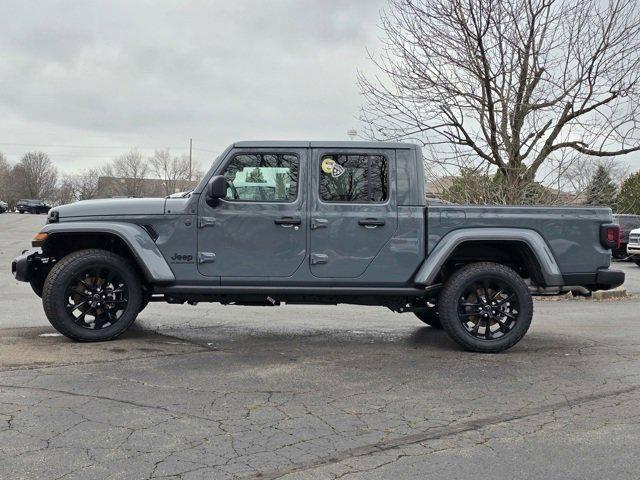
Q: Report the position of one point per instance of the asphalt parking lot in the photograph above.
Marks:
(315, 393)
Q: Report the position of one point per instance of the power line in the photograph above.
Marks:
(91, 146)
(205, 150)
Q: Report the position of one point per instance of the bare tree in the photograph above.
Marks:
(130, 171)
(5, 177)
(65, 191)
(523, 86)
(80, 186)
(35, 176)
(577, 177)
(85, 184)
(173, 171)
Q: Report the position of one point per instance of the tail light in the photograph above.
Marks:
(610, 235)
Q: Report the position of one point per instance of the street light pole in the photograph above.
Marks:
(190, 156)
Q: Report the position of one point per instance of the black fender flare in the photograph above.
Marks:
(430, 268)
(146, 252)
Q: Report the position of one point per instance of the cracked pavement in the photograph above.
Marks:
(318, 393)
(375, 397)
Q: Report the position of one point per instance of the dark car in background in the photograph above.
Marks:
(32, 206)
(627, 223)
(4, 207)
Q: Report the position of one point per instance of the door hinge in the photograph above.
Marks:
(319, 223)
(206, 222)
(206, 257)
(317, 258)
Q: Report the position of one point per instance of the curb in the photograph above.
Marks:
(601, 295)
(607, 294)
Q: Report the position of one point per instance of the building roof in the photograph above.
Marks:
(322, 144)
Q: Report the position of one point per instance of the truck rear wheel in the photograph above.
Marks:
(92, 295)
(485, 307)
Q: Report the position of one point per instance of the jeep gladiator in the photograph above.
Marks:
(316, 223)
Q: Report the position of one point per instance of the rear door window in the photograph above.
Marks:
(354, 178)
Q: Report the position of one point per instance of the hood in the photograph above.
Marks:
(112, 206)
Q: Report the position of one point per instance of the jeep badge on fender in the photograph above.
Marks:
(177, 258)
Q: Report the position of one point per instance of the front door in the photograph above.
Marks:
(353, 210)
(258, 230)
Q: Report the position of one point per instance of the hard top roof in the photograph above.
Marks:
(322, 144)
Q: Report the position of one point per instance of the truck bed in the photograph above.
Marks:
(572, 233)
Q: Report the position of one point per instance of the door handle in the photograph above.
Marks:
(317, 258)
(319, 223)
(206, 257)
(371, 222)
(288, 221)
(207, 222)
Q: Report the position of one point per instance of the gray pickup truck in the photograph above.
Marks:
(316, 223)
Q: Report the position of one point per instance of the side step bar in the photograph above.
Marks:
(286, 290)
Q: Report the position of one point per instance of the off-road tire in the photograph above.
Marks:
(37, 286)
(53, 295)
(146, 298)
(637, 262)
(431, 317)
(454, 289)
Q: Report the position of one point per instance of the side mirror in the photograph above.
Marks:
(217, 187)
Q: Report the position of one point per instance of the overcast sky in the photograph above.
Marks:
(151, 74)
(99, 77)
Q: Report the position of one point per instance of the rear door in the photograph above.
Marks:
(353, 211)
(259, 228)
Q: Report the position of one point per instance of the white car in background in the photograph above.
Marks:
(3, 206)
(633, 247)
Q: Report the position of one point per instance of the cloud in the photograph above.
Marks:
(161, 71)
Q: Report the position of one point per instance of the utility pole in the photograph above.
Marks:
(190, 156)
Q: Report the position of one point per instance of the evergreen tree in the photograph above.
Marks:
(601, 189)
(629, 198)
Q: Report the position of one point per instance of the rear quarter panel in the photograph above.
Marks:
(572, 233)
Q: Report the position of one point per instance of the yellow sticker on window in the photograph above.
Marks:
(327, 165)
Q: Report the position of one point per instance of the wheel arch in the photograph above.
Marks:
(128, 240)
(524, 248)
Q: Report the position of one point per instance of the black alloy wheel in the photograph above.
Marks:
(97, 297)
(488, 308)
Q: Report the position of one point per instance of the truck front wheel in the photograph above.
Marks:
(92, 295)
(485, 307)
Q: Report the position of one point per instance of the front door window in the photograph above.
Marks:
(263, 177)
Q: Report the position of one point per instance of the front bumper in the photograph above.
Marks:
(608, 278)
(633, 250)
(24, 265)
